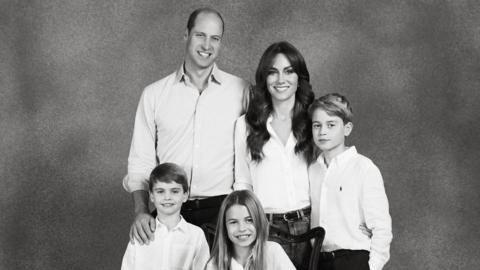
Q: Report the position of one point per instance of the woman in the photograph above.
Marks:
(272, 140)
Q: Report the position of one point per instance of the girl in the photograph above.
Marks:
(272, 140)
(241, 237)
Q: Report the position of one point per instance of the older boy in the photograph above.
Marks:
(177, 244)
(347, 193)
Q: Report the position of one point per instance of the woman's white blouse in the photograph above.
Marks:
(280, 180)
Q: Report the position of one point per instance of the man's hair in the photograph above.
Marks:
(193, 16)
(168, 173)
(333, 104)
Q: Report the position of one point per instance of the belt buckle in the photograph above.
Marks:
(285, 216)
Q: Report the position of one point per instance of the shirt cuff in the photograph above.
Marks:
(241, 186)
(375, 264)
(134, 182)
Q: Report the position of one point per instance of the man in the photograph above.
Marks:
(188, 118)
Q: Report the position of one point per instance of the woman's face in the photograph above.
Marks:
(282, 81)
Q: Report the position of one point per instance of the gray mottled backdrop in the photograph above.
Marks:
(71, 74)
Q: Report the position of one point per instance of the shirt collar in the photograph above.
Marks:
(181, 225)
(341, 159)
(215, 76)
(234, 265)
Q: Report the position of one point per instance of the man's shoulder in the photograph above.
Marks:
(230, 78)
(162, 83)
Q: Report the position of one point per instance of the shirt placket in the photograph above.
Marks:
(197, 128)
(323, 197)
(165, 244)
(287, 165)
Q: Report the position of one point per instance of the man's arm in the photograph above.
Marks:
(143, 227)
(141, 161)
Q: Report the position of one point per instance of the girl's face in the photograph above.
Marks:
(282, 81)
(240, 228)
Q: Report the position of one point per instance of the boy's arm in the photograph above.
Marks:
(242, 170)
(377, 218)
(202, 253)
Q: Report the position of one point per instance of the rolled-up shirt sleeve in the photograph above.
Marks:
(377, 218)
(142, 157)
(243, 179)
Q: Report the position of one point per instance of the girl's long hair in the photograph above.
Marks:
(223, 252)
(260, 106)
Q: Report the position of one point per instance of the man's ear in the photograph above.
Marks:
(185, 35)
(150, 195)
(348, 128)
(185, 198)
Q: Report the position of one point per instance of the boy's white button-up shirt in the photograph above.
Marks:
(348, 193)
(280, 180)
(182, 248)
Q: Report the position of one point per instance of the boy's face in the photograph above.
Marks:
(168, 197)
(329, 132)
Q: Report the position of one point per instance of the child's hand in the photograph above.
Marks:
(365, 230)
(142, 229)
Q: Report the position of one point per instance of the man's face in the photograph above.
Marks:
(203, 41)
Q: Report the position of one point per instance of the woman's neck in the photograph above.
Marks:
(282, 110)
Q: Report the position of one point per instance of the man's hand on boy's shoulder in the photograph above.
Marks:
(142, 229)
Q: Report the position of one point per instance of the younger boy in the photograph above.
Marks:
(177, 244)
(347, 192)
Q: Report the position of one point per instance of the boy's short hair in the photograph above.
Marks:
(167, 173)
(333, 104)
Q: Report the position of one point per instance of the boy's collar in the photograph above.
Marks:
(181, 225)
(341, 158)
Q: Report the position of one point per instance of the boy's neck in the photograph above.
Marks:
(170, 221)
(332, 153)
(241, 254)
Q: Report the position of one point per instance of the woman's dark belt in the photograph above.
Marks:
(290, 216)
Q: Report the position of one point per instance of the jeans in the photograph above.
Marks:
(299, 253)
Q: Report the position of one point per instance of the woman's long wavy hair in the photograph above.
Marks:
(260, 106)
(223, 252)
